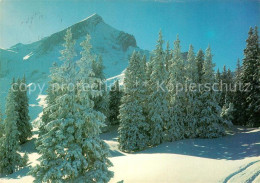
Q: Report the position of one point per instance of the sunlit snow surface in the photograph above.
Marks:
(28, 56)
(233, 159)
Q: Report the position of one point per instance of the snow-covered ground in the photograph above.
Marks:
(233, 158)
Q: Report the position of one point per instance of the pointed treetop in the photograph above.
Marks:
(191, 52)
(208, 67)
(177, 37)
(191, 47)
(251, 30)
(238, 62)
(69, 52)
(160, 41)
(177, 48)
(200, 53)
(224, 69)
(177, 41)
(86, 46)
(218, 73)
(208, 53)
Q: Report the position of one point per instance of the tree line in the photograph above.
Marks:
(149, 116)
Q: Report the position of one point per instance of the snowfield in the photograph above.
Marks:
(234, 158)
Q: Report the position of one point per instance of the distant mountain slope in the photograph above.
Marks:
(35, 59)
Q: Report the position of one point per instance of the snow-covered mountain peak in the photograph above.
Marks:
(35, 59)
(93, 25)
(95, 18)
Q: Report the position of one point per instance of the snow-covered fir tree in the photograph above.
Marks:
(210, 124)
(23, 122)
(223, 86)
(168, 56)
(230, 83)
(101, 102)
(226, 86)
(225, 95)
(250, 75)
(218, 86)
(178, 99)
(238, 71)
(218, 77)
(147, 83)
(115, 95)
(53, 91)
(98, 66)
(238, 96)
(1, 123)
(227, 114)
(71, 150)
(146, 77)
(94, 149)
(133, 128)
(157, 103)
(200, 61)
(10, 160)
(192, 109)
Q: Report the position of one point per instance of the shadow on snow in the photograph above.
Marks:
(242, 144)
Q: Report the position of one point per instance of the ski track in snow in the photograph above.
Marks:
(247, 173)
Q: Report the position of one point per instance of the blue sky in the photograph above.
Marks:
(222, 24)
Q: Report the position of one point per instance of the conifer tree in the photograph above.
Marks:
(157, 105)
(200, 61)
(227, 115)
(10, 160)
(251, 76)
(53, 91)
(224, 73)
(211, 124)
(133, 128)
(147, 83)
(1, 124)
(178, 99)
(230, 83)
(223, 87)
(23, 122)
(226, 87)
(101, 102)
(71, 149)
(168, 56)
(219, 82)
(94, 149)
(192, 74)
(192, 106)
(238, 111)
(238, 71)
(146, 76)
(256, 118)
(55, 84)
(218, 76)
(115, 95)
(98, 67)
